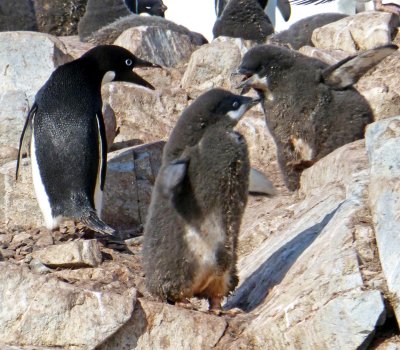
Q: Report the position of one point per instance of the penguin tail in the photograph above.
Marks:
(92, 221)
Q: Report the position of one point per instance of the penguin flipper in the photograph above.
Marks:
(284, 9)
(22, 145)
(103, 147)
(92, 221)
(171, 177)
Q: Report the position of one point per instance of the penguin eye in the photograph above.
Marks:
(128, 62)
(148, 7)
(235, 105)
(203, 125)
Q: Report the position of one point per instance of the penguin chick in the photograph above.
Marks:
(243, 19)
(310, 108)
(200, 194)
(152, 7)
(68, 144)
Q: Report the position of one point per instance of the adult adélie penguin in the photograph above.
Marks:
(68, 145)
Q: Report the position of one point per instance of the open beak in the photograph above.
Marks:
(251, 80)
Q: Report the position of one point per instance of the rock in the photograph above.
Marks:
(15, 108)
(211, 66)
(74, 46)
(157, 45)
(26, 67)
(143, 115)
(110, 123)
(20, 237)
(299, 34)
(382, 139)
(328, 56)
(42, 311)
(304, 278)
(349, 34)
(18, 206)
(75, 254)
(162, 326)
(17, 15)
(131, 174)
(59, 17)
(107, 34)
(380, 86)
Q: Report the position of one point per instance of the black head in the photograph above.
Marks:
(116, 63)
(152, 7)
(216, 107)
(261, 62)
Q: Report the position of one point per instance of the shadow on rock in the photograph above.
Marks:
(254, 289)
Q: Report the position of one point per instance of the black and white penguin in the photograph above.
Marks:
(151, 7)
(243, 19)
(310, 108)
(68, 144)
(197, 204)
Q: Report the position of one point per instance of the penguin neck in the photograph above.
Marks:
(97, 74)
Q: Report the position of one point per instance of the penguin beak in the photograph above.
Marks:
(142, 63)
(250, 101)
(254, 81)
(132, 77)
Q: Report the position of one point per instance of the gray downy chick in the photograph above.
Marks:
(243, 19)
(311, 108)
(200, 194)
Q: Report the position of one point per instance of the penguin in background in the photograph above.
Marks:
(191, 233)
(68, 145)
(151, 7)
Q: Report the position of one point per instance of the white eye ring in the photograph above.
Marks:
(235, 105)
(148, 7)
(128, 62)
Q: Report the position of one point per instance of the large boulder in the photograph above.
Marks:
(383, 139)
(26, 67)
(157, 45)
(349, 33)
(41, 310)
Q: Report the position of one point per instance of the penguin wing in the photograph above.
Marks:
(102, 148)
(25, 131)
(172, 176)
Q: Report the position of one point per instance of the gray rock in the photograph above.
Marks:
(131, 174)
(304, 278)
(382, 139)
(157, 45)
(162, 326)
(364, 31)
(42, 311)
(109, 33)
(143, 115)
(26, 67)
(75, 254)
(13, 114)
(299, 34)
(211, 66)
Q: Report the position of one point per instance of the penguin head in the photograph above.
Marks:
(262, 64)
(116, 63)
(215, 108)
(152, 7)
(218, 106)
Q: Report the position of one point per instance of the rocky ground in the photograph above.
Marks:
(318, 267)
